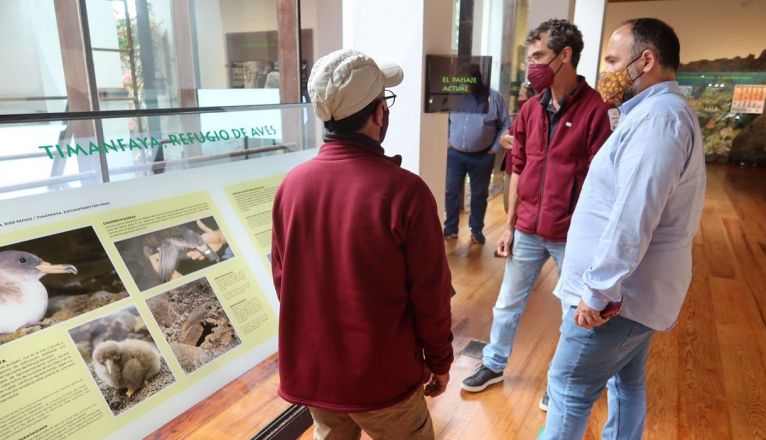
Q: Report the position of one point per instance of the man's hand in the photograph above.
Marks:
(435, 384)
(214, 239)
(505, 244)
(586, 317)
(506, 141)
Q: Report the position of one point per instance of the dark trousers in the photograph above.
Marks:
(478, 167)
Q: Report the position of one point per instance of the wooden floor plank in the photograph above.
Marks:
(702, 410)
(744, 371)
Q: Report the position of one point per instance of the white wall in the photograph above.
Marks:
(433, 126)
(488, 35)
(411, 30)
(31, 53)
(211, 45)
(480, 7)
(402, 45)
(589, 18)
(541, 10)
(708, 29)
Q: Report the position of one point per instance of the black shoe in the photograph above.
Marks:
(478, 237)
(543, 405)
(450, 235)
(481, 379)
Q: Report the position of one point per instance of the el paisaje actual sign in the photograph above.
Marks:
(457, 83)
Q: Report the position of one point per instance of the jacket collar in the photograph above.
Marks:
(582, 86)
(353, 145)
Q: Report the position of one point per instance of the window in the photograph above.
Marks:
(32, 72)
(102, 90)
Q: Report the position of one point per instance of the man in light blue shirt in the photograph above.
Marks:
(474, 140)
(630, 240)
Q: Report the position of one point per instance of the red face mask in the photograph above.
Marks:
(541, 75)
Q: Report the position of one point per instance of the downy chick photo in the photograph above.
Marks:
(127, 364)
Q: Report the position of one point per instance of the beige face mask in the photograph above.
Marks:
(612, 85)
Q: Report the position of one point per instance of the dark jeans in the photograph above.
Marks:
(478, 167)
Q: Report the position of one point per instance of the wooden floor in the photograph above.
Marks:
(707, 376)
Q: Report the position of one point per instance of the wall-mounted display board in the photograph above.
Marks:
(124, 304)
(748, 98)
(729, 121)
(457, 83)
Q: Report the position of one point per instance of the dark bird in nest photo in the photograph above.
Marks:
(173, 250)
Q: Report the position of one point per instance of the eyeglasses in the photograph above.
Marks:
(389, 97)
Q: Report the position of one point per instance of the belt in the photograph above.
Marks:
(472, 152)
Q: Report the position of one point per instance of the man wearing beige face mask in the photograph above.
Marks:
(629, 243)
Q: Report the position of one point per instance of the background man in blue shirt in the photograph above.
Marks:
(630, 238)
(474, 139)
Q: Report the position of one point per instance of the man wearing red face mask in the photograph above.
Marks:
(556, 134)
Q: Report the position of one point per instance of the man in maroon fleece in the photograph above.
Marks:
(360, 269)
(555, 136)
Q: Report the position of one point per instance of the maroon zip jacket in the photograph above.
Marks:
(551, 174)
(364, 288)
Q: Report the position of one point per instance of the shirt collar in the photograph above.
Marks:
(657, 89)
(546, 99)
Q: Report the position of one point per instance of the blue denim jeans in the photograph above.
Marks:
(478, 167)
(613, 355)
(530, 252)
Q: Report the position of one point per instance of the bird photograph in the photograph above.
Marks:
(160, 256)
(194, 323)
(50, 279)
(127, 364)
(23, 297)
(122, 358)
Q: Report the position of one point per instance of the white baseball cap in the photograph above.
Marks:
(346, 81)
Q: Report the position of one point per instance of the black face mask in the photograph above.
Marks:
(384, 128)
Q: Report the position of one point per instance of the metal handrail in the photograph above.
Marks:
(112, 114)
(47, 181)
(31, 98)
(196, 159)
(143, 167)
(22, 156)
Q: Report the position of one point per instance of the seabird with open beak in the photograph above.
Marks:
(23, 298)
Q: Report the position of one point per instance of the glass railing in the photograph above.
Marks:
(45, 154)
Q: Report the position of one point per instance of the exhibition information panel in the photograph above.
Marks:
(124, 304)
